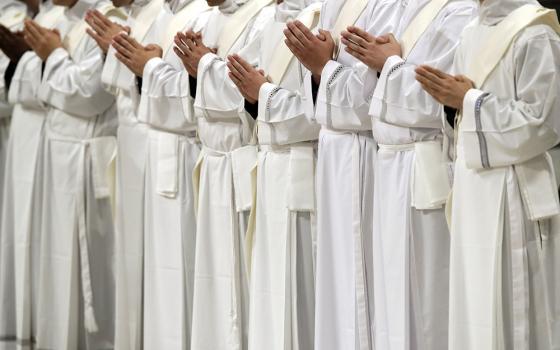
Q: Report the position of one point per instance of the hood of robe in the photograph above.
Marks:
(290, 9)
(494, 11)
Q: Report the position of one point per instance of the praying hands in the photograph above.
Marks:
(12, 44)
(313, 51)
(134, 55)
(372, 51)
(41, 40)
(102, 29)
(447, 89)
(190, 49)
(247, 79)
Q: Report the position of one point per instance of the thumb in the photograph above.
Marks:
(325, 34)
(261, 72)
(56, 31)
(127, 29)
(383, 39)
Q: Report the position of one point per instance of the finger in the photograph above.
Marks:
(294, 29)
(304, 30)
(422, 71)
(123, 43)
(356, 54)
(358, 31)
(179, 53)
(100, 19)
(353, 46)
(429, 83)
(436, 72)
(127, 62)
(98, 39)
(95, 26)
(384, 39)
(32, 29)
(131, 41)
(235, 80)
(295, 50)
(233, 70)
(122, 49)
(293, 39)
(237, 65)
(182, 47)
(354, 38)
(248, 67)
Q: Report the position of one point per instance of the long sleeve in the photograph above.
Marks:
(499, 131)
(399, 98)
(216, 94)
(165, 91)
(347, 84)
(74, 86)
(26, 81)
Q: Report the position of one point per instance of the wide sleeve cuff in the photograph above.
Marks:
(264, 95)
(54, 59)
(206, 60)
(475, 147)
(376, 106)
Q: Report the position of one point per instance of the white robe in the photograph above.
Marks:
(411, 239)
(132, 137)
(21, 215)
(169, 237)
(344, 315)
(223, 201)
(504, 288)
(12, 14)
(76, 281)
(282, 305)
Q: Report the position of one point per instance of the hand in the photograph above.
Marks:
(102, 29)
(313, 51)
(12, 44)
(447, 89)
(41, 40)
(190, 49)
(132, 54)
(248, 79)
(373, 51)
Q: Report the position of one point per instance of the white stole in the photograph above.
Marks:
(49, 18)
(349, 14)
(180, 20)
(283, 57)
(237, 23)
(419, 24)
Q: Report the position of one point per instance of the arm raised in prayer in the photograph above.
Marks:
(73, 85)
(399, 98)
(517, 129)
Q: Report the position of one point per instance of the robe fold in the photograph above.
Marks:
(344, 312)
(410, 237)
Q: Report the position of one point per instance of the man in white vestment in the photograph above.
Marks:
(222, 179)
(21, 197)
(282, 258)
(337, 94)
(75, 307)
(12, 47)
(159, 268)
(505, 223)
(411, 238)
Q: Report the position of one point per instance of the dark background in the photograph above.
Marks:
(553, 4)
